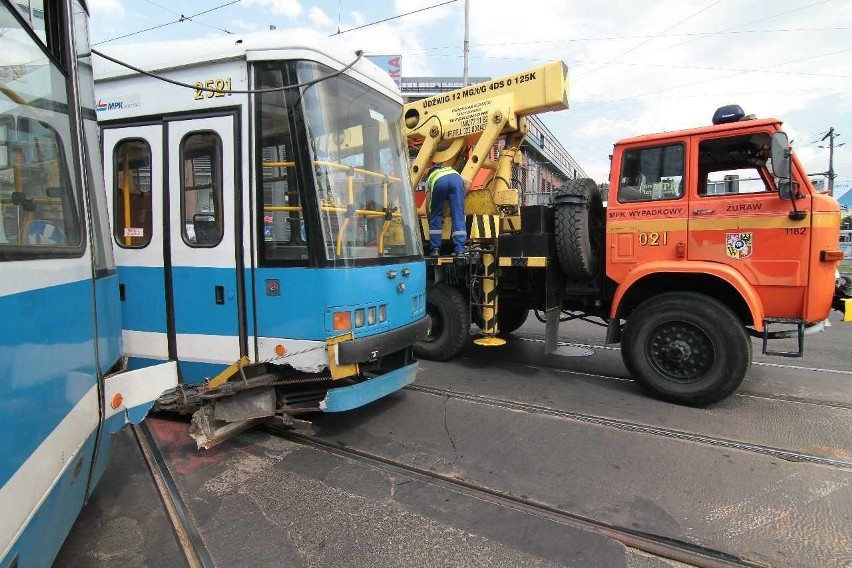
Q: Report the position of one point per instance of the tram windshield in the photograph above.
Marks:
(353, 160)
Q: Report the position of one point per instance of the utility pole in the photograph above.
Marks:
(466, 37)
(831, 135)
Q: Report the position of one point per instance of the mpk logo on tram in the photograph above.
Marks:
(738, 245)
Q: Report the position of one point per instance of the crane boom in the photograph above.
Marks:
(464, 124)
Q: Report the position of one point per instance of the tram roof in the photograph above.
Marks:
(258, 46)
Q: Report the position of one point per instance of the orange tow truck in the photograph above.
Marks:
(708, 236)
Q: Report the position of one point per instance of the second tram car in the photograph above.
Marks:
(64, 385)
(264, 216)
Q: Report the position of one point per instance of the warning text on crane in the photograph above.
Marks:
(468, 119)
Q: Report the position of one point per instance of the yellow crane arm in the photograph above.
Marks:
(474, 117)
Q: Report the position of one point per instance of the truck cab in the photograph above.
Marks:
(705, 203)
(720, 233)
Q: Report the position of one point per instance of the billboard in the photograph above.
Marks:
(391, 64)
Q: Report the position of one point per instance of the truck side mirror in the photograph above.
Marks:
(780, 155)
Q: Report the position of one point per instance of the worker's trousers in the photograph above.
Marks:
(447, 188)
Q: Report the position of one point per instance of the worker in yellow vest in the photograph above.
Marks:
(444, 184)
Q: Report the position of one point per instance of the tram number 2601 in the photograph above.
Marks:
(653, 239)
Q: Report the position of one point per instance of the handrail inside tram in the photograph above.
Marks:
(387, 213)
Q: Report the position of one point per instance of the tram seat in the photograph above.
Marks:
(206, 230)
(43, 232)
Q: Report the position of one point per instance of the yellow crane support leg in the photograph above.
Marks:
(489, 303)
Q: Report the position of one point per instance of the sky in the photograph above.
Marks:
(636, 67)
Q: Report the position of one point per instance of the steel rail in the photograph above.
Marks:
(666, 547)
(536, 338)
(787, 455)
(188, 537)
(740, 393)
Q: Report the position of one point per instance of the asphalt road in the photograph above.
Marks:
(764, 476)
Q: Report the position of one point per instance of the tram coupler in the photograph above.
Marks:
(216, 422)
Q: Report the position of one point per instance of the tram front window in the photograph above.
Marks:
(356, 165)
(359, 167)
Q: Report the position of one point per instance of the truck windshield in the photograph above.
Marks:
(350, 170)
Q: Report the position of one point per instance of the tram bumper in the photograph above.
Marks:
(374, 346)
(342, 399)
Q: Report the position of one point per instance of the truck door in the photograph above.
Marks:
(647, 216)
(206, 292)
(737, 218)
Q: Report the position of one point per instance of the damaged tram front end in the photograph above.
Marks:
(273, 208)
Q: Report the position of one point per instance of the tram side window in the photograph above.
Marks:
(201, 189)
(37, 201)
(39, 198)
(133, 199)
(652, 174)
(285, 235)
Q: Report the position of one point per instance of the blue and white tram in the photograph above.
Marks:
(63, 385)
(269, 220)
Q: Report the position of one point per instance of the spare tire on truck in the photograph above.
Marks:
(579, 218)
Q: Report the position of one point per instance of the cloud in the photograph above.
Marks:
(247, 26)
(286, 8)
(639, 67)
(107, 9)
(359, 18)
(319, 18)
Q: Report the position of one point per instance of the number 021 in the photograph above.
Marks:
(653, 239)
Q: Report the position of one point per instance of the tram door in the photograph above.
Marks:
(204, 260)
(173, 202)
(133, 171)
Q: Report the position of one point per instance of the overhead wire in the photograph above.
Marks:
(637, 64)
(163, 25)
(756, 70)
(391, 18)
(650, 39)
(425, 50)
(358, 55)
(738, 26)
(189, 18)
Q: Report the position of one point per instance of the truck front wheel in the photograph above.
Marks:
(686, 347)
(449, 323)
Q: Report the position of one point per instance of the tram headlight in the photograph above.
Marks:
(371, 315)
(341, 320)
(383, 313)
(359, 317)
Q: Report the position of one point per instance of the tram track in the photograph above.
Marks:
(659, 545)
(780, 453)
(745, 393)
(189, 539)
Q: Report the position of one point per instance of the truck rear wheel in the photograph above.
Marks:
(578, 217)
(686, 348)
(449, 324)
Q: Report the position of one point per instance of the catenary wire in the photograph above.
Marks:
(170, 11)
(358, 55)
(392, 18)
(181, 19)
